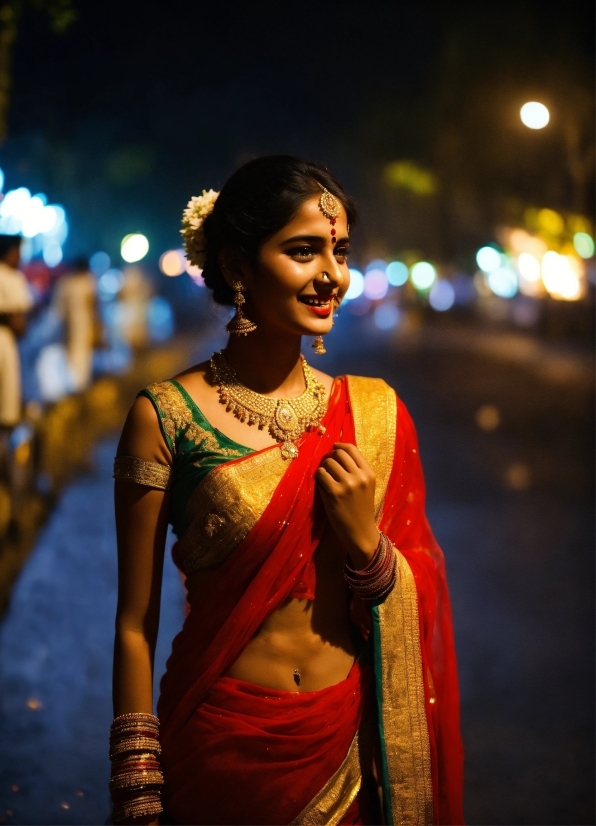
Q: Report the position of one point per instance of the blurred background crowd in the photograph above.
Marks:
(466, 133)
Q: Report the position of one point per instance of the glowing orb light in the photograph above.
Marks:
(423, 275)
(172, 263)
(99, 263)
(356, 285)
(397, 273)
(441, 296)
(488, 259)
(503, 282)
(584, 244)
(375, 284)
(134, 247)
(559, 277)
(529, 267)
(386, 316)
(534, 115)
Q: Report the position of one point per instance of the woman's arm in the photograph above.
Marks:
(141, 526)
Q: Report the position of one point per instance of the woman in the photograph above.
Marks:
(314, 679)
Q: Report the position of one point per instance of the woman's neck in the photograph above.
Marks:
(269, 366)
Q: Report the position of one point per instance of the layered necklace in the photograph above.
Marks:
(286, 419)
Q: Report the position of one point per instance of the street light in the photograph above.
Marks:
(534, 115)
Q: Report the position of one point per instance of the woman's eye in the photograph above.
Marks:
(302, 252)
(342, 252)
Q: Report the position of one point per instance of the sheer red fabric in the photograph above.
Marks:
(405, 522)
(263, 753)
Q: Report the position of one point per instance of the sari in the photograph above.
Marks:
(309, 752)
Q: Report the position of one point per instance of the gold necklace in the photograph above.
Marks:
(287, 419)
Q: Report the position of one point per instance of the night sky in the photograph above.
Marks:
(138, 106)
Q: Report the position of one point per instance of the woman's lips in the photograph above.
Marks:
(320, 307)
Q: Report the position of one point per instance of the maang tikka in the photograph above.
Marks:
(330, 207)
(239, 324)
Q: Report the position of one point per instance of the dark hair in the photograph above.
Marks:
(256, 201)
(7, 243)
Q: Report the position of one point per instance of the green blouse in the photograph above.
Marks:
(195, 445)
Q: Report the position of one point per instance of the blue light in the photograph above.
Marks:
(386, 316)
(356, 285)
(488, 259)
(503, 282)
(397, 273)
(377, 264)
(441, 296)
(99, 263)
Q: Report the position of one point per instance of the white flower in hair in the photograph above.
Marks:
(193, 217)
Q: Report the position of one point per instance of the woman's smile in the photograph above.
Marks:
(317, 304)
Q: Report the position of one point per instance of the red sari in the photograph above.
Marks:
(238, 753)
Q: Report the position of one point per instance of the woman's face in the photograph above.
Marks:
(289, 291)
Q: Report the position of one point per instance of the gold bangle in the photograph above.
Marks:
(145, 805)
(136, 778)
(136, 715)
(143, 472)
(135, 744)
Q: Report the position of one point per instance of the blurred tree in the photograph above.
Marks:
(60, 13)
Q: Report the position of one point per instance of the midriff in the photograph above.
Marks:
(315, 638)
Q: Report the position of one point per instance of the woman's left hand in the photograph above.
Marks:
(346, 483)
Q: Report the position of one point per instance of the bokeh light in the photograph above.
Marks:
(376, 264)
(356, 285)
(1, 180)
(172, 262)
(534, 115)
(134, 247)
(529, 267)
(488, 259)
(109, 284)
(503, 282)
(99, 263)
(397, 273)
(52, 253)
(423, 275)
(386, 316)
(441, 296)
(488, 417)
(375, 284)
(559, 276)
(584, 244)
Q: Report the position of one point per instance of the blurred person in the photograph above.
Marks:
(314, 679)
(15, 302)
(133, 301)
(75, 302)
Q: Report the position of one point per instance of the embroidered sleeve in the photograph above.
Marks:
(150, 474)
(177, 419)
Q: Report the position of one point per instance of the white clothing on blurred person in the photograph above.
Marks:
(134, 306)
(74, 302)
(15, 297)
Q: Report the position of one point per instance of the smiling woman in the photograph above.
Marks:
(314, 679)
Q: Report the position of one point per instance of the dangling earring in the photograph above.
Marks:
(318, 346)
(239, 324)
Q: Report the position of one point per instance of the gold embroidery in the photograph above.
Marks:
(177, 416)
(374, 408)
(226, 505)
(329, 806)
(405, 727)
(151, 474)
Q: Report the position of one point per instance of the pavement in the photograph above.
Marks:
(510, 497)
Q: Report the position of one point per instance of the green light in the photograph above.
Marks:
(584, 244)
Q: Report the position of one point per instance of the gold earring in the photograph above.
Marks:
(318, 346)
(239, 324)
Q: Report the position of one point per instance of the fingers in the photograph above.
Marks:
(354, 454)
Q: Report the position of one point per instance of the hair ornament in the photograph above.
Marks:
(193, 218)
(330, 207)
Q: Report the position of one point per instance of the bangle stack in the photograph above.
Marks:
(136, 774)
(378, 578)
